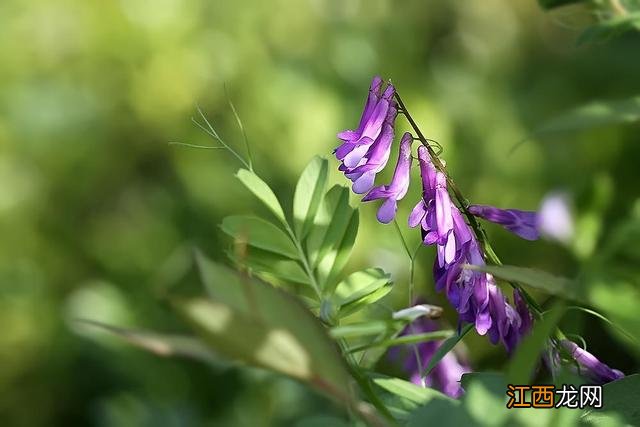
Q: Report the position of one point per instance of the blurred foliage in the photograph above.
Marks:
(98, 213)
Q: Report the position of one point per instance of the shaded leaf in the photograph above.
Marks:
(610, 28)
(406, 339)
(620, 397)
(165, 345)
(259, 261)
(537, 279)
(592, 115)
(259, 233)
(262, 191)
(550, 4)
(527, 354)
(309, 192)
(445, 348)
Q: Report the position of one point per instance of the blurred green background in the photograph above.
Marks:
(98, 212)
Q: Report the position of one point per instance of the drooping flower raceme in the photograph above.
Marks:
(446, 375)
(399, 185)
(473, 293)
(364, 152)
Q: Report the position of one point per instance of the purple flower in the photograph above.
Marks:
(522, 223)
(365, 151)
(552, 220)
(433, 211)
(446, 375)
(399, 185)
(589, 366)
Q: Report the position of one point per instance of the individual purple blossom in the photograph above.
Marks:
(363, 175)
(398, 186)
(433, 211)
(521, 223)
(445, 376)
(589, 366)
(365, 151)
(552, 220)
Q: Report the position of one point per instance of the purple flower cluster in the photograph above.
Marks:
(474, 294)
(364, 153)
(446, 375)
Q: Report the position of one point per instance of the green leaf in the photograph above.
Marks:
(527, 354)
(262, 191)
(610, 28)
(406, 339)
(160, 344)
(550, 4)
(485, 393)
(309, 191)
(259, 233)
(372, 327)
(263, 262)
(411, 392)
(330, 223)
(445, 348)
(592, 115)
(536, 279)
(334, 262)
(620, 397)
(360, 289)
(252, 322)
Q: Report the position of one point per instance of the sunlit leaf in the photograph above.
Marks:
(330, 223)
(336, 259)
(485, 393)
(262, 191)
(592, 115)
(372, 327)
(411, 392)
(309, 192)
(250, 321)
(360, 289)
(528, 352)
(446, 347)
(259, 233)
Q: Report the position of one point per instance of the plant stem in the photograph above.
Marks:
(412, 263)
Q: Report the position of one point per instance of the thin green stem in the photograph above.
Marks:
(305, 262)
(416, 351)
(212, 132)
(242, 130)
